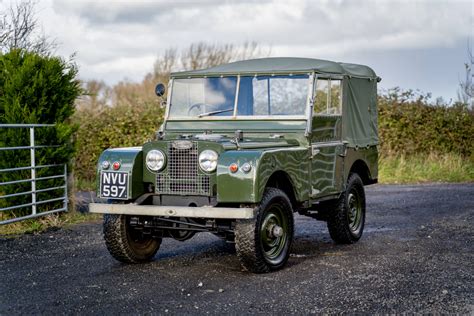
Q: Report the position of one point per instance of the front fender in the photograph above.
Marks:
(294, 162)
(131, 161)
(241, 187)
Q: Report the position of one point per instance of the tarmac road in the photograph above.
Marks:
(416, 255)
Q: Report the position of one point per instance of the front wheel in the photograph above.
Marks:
(263, 243)
(126, 244)
(346, 222)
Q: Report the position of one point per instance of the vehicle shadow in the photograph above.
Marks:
(311, 241)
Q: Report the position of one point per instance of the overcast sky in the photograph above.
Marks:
(411, 44)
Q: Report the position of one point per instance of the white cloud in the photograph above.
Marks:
(117, 39)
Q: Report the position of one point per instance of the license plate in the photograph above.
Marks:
(114, 185)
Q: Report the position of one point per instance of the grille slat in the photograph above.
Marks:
(182, 175)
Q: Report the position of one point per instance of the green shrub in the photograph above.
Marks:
(35, 89)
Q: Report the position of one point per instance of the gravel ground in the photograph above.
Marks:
(416, 255)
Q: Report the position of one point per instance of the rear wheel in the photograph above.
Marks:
(127, 244)
(263, 243)
(346, 222)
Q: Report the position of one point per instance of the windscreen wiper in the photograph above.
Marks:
(214, 112)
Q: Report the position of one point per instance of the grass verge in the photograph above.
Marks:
(48, 222)
(425, 168)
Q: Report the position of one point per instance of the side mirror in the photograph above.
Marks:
(160, 89)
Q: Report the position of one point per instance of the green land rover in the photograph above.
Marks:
(243, 147)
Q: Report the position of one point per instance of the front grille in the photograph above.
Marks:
(181, 175)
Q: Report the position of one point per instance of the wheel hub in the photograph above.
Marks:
(273, 233)
(354, 212)
(276, 231)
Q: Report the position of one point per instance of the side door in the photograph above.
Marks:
(327, 148)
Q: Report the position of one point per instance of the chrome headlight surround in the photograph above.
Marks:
(155, 160)
(208, 160)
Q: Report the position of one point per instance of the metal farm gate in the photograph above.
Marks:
(33, 179)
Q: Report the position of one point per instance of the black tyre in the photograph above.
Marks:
(124, 243)
(263, 243)
(346, 222)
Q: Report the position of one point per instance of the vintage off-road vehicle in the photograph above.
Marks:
(244, 146)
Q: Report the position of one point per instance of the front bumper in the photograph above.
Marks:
(173, 211)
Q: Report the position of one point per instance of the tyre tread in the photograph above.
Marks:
(116, 241)
(337, 220)
(247, 236)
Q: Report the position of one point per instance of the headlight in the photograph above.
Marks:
(155, 160)
(208, 160)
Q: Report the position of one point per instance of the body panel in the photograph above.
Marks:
(130, 159)
(369, 155)
(326, 167)
(219, 125)
(249, 187)
(327, 162)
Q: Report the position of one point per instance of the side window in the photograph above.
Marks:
(335, 107)
(328, 97)
(321, 97)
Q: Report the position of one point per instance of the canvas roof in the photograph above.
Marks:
(282, 65)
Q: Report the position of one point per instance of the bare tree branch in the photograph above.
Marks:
(4, 32)
(165, 63)
(204, 55)
(466, 91)
(20, 29)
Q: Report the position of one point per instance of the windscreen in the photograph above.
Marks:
(272, 95)
(198, 96)
(257, 96)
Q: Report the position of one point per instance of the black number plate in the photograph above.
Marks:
(114, 185)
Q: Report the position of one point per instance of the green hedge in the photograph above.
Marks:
(408, 125)
(118, 126)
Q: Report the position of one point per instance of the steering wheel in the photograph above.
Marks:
(201, 106)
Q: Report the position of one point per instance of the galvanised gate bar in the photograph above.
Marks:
(33, 179)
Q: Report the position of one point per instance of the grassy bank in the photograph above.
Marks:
(425, 168)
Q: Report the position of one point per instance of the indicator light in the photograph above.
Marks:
(233, 168)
